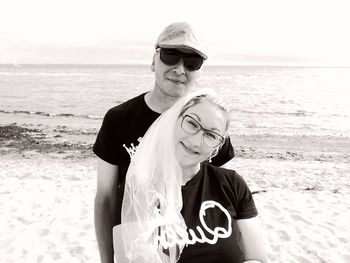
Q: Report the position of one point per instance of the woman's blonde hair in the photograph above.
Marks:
(212, 99)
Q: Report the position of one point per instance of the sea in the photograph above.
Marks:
(73, 99)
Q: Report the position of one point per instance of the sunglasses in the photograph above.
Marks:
(171, 57)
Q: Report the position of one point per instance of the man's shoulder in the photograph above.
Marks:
(122, 110)
(127, 105)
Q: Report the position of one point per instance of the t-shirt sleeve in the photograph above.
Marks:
(225, 154)
(245, 206)
(106, 143)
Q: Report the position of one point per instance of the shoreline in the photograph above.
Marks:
(78, 144)
(29, 141)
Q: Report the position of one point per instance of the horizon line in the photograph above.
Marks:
(144, 64)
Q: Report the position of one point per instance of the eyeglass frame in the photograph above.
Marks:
(202, 129)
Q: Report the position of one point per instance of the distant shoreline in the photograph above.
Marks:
(147, 65)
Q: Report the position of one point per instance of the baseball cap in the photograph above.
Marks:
(181, 35)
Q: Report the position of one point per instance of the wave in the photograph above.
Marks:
(233, 112)
(296, 113)
(41, 113)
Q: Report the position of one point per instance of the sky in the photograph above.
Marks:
(236, 32)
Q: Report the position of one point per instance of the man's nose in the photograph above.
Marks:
(179, 67)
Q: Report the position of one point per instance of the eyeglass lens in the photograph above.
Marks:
(191, 126)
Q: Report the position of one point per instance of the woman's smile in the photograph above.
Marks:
(188, 149)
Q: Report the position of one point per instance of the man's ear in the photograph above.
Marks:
(153, 62)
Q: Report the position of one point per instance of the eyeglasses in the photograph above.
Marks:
(171, 57)
(191, 126)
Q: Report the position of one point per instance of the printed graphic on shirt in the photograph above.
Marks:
(132, 149)
(169, 236)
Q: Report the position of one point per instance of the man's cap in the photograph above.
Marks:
(181, 35)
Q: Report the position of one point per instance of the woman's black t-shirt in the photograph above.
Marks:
(211, 199)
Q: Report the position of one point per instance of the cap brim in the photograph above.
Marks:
(185, 47)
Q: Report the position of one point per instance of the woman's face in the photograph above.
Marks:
(191, 149)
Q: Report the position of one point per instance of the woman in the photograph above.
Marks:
(178, 208)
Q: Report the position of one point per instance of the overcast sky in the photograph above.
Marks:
(244, 32)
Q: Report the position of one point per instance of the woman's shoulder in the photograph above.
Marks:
(235, 188)
(221, 172)
(225, 176)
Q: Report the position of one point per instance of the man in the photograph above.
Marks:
(176, 63)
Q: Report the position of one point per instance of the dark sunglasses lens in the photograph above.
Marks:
(169, 56)
(193, 63)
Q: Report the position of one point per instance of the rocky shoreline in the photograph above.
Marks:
(25, 140)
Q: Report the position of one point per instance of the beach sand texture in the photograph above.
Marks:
(302, 195)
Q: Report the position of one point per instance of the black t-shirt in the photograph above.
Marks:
(216, 194)
(122, 129)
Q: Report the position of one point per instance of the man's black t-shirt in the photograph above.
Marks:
(209, 199)
(122, 129)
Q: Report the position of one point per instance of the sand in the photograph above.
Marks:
(301, 188)
(47, 209)
(304, 208)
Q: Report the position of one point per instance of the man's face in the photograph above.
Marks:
(174, 81)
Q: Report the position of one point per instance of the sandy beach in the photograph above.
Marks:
(301, 187)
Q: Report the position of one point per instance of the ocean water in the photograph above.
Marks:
(264, 100)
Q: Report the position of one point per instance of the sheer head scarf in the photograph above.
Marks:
(152, 224)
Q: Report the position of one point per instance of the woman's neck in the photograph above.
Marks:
(189, 172)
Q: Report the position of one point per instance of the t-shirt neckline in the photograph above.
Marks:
(195, 179)
(143, 97)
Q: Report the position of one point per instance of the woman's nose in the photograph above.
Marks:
(197, 139)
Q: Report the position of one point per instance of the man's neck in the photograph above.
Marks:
(158, 101)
